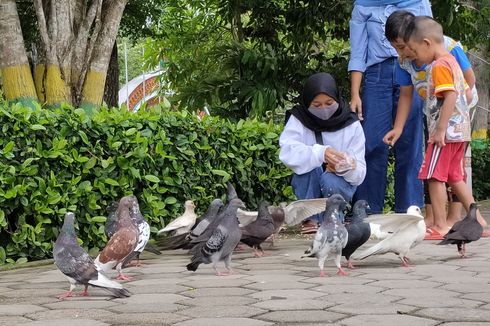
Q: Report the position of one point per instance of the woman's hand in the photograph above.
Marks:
(332, 157)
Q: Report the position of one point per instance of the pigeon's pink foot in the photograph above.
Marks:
(84, 293)
(350, 265)
(135, 263)
(65, 295)
(222, 273)
(341, 272)
(322, 273)
(405, 262)
(122, 277)
(256, 254)
(239, 247)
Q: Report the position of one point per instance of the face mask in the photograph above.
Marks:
(324, 113)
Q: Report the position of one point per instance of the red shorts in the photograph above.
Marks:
(445, 164)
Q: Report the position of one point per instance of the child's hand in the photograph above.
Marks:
(438, 137)
(392, 136)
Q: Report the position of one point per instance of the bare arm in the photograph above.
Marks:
(355, 90)
(446, 110)
(402, 112)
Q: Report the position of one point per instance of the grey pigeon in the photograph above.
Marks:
(78, 267)
(230, 192)
(221, 243)
(258, 231)
(183, 241)
(405, 231)
(464, 231)
(358, 231)
(183, 223)
(111, 223)
(122, 244)
(278, 215)
(331, 236)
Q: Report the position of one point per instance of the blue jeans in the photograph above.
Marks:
(318, 184)
(379, 101)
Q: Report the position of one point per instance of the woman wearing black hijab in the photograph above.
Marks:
(323, 143)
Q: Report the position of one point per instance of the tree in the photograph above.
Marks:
(247, 57)
(71, 54)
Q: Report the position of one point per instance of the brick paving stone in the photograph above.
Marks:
(467, 287)
(336, 280)
(432, 302)
(421, 293)
(406, 284)
(97, 314)
(223, 322)
(216, 301)
(286, 294)
(147, 318)
(216, 292)
(215, 282)
(13, 320)
(64, 322)
(481, 297)
(302, 316)
(219, 311)
(465, 324)
(345, 288)
(387, 320)
(390, 274)
(355, 308)
(294, 304)
(339, 298)
(79, 303)
(456, 314)
(18, 309)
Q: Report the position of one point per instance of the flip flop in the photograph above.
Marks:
(431, 234)
(309, 227)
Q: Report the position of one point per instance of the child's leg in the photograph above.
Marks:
(437, 191)
(454, 209)
(429, 216)
(463, 192)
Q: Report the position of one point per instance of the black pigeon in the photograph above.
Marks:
(358, 231)
(78, 267)
(464, 231)
(111, 223)
(183, 241)
(258, 231)
(223, 240)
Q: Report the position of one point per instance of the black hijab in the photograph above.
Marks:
(317, 84)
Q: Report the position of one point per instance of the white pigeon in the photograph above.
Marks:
(331, 236)
(405, 231)
(183, 223)
(295, 213)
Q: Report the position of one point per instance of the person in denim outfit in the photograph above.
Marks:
(372, 63)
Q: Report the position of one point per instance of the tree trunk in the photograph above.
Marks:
(76, 38)
(111, 91)
(481, 118)
(16, 73)
(93, 87)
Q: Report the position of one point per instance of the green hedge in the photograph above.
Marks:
(56, 160)
(480, 168)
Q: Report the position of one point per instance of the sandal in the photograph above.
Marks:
(309, 227)
(485, 233)
(431, 234)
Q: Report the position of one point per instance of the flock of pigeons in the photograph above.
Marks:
(214, 237)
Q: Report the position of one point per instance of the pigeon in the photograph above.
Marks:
(144, 232)
(122, 244)
(294, 213)
(258, 231)
(223, 240)
(111, 223)
(78, 266)
(331, 236)
(358, 231)
(405, 232)
(183, 241)
(183, 223)
(230, 192)
(278, 215)
(464, 231)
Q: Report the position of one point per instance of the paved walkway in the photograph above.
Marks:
(280, 289)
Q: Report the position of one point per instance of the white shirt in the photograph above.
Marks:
(300, 152)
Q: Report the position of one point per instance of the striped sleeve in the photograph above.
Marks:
(442, 77)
